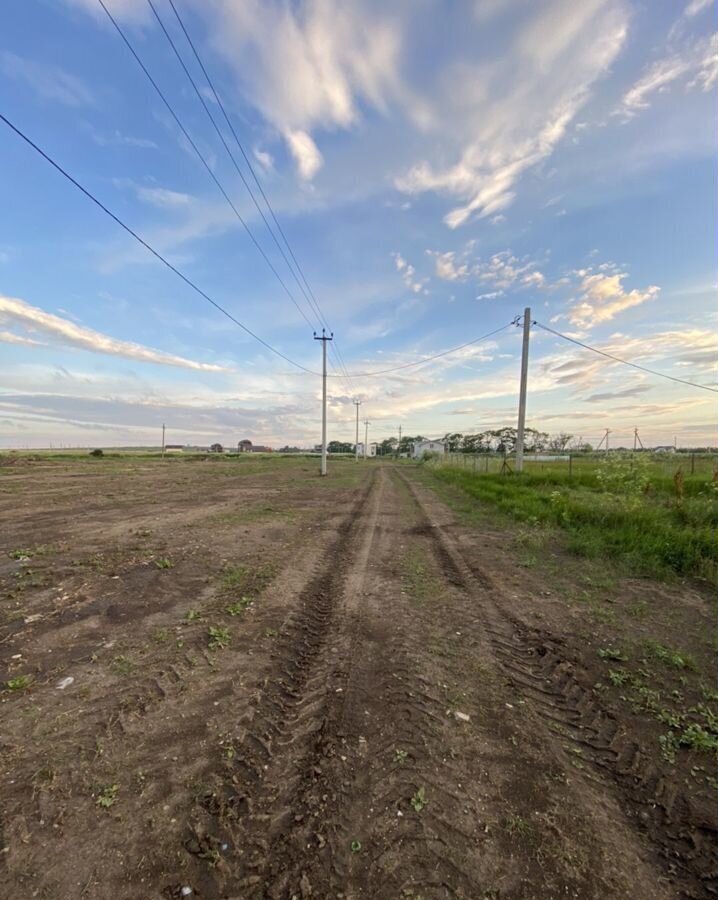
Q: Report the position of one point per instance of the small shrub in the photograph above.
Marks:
(96, 452)
(19, 683)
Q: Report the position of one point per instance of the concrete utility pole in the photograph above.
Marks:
(398, 447)
(163, 440)
(636, 440)
(366, 438)
(357, 403)
(323, 338)
(522, 392)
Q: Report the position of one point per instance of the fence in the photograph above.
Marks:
(702, 464)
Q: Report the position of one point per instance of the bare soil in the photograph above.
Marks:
(292, 687)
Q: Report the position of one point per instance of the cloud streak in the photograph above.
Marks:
(34, 320)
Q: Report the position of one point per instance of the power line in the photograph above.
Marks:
(305, 287)
(427, 359)
(147, 246)
(221, 137)
(202, 159)
(703, 387)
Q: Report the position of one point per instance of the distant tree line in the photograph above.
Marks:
(503, 440)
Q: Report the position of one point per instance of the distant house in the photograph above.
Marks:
(216, 448)
(667, 449)
(258, 448)
(372, 449)
(244, 446)
(421, 448)
(174, 448)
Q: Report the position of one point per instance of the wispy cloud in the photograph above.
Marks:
(48, 82)
(524, 107)
(338, 56)
(33, 319)
(408, 274)
(696, 65)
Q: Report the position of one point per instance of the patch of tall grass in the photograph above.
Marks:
(636, 520)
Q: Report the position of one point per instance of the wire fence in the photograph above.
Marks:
(569, 464)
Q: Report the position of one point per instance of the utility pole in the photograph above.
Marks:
(522, 391)
(357, 403)
(637, 440)
(366, 438)
(323, 338)
(163, 440)
(604, 438)
(398, 448)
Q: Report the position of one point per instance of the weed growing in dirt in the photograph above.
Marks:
(611, 653)
(161, 635)
(19, 683)
(239, 606)
(517, 826)
(122, 665)
(618, 677)
(193, 615)
(419, 800)
(270, 632)
(356, 846)
(218, 638)
(107, 797)
(20, 554)
(164, 563)
(675, 659)
(400, 756)
(247, 579)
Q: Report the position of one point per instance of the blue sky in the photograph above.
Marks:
(436, 168)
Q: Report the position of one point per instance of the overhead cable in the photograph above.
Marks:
(148, 247)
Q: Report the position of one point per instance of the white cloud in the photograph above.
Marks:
(305, 152)
(697, 6)
(603, 297)
(416, 285)
(446, 267)
(309, 65)
(490, 295)
(698, 61)
(48, 82)
(163, 197)
(264, 159)
(530, 98)
(118, 139)
(7, 337)
(34, 320)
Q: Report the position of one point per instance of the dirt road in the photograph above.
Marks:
(380, 723)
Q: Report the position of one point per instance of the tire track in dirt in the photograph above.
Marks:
(685, 837)
(283, 735)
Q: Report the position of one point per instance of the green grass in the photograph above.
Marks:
(650, 531)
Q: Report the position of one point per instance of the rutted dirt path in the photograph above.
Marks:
(382, 726)
(386, 757)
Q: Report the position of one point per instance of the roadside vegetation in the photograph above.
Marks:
(621, 507)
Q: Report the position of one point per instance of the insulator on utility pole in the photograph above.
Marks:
(323, 338)
(357, 403)
(522, 391)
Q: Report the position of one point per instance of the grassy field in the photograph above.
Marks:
(624, 507)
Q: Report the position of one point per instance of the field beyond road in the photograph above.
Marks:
(229, 678)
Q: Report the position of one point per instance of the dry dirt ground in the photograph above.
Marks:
(288, 687)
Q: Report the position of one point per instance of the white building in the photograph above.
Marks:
(372, 449)
(421, 447)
